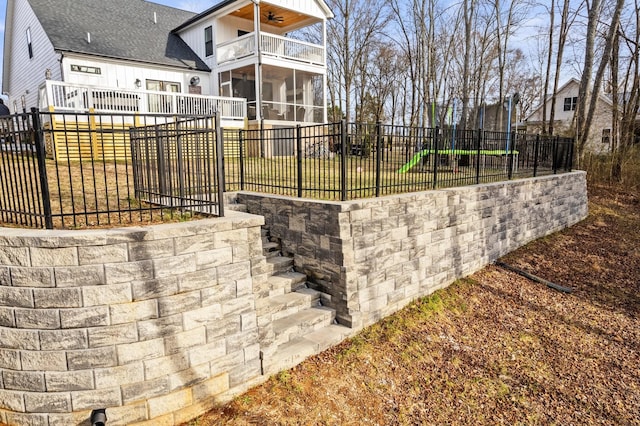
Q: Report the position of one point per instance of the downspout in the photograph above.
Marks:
(324, 77)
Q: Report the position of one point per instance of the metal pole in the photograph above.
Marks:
(510, 158)
(42, 169)
(508, 125)
(220, 165)
(299, 155)
(536, 148)
(555, 155)
(478, 148)
(436, 157)
(343, 165)
(241, 142)
(378, 156)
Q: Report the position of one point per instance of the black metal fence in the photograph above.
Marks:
(72, 170)
(348, 161)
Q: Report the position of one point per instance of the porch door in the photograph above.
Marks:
(162, 104)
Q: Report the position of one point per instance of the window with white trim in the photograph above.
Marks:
(208, 41)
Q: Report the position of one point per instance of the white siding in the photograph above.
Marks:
(26, 74)
(123, 74)
(194, 37)
(228, 26)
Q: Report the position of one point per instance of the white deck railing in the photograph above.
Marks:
(271, 45)
(74, 97)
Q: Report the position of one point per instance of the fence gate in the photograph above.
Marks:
(176, 164)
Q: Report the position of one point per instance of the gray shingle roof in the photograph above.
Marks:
(121, 29)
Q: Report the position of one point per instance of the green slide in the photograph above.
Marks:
(416, 158)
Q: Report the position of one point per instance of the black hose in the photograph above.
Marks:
(534, 278)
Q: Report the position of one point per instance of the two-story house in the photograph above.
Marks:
(566, 104)
(240, 57)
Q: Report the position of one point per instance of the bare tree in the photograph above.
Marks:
(630, 93)
(585, 117)
(565, 24)
(468, 11)
(356, 26)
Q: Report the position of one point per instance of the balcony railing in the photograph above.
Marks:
(73, 97)
(271, 45)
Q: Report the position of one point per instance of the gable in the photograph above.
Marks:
(568, 90)
(134, 30)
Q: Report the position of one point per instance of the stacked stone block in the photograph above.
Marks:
(158, 323)
(374, 256)
(152, 323)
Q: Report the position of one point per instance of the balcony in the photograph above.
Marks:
(74, 97)
(271, 45)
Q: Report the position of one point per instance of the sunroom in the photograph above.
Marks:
(274, 55)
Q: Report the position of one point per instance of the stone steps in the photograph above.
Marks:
(301, 323)
(298, 349)
(280, 263)
(293, 323)
(285, 282)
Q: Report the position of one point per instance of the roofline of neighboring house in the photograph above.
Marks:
(548, 98)
(77, 52)
(226, 3)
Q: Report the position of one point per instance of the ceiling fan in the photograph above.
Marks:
(271, 17)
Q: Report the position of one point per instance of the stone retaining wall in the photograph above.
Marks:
(158, 323)
(374, 256)
(152, 323)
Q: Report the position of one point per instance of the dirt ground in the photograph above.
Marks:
(494, 348)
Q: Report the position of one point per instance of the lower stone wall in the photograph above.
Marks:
(153, 323)
(374, 256)
(158, 323)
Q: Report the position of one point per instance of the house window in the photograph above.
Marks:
(570, 103)
(29, 45)
(606, 135)
(208, 41)
(242, 32)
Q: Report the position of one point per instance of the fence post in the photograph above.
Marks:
(42, 168)
(536, 147)
(180, 159)
(510, 155)
(343, 164)
(571, 151)
(555, 155)
(241, 142)
(436, 158)
(220, 164)
(378, 156)
(478, 149)
(299, 155)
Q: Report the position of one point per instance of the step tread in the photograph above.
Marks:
(298, 349)
(280, 263)
(306, 317)
(301, 323)
(284, 304)
(290, 277)
(270, 245)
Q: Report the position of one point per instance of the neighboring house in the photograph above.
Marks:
(566, 103)
(138, 56)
